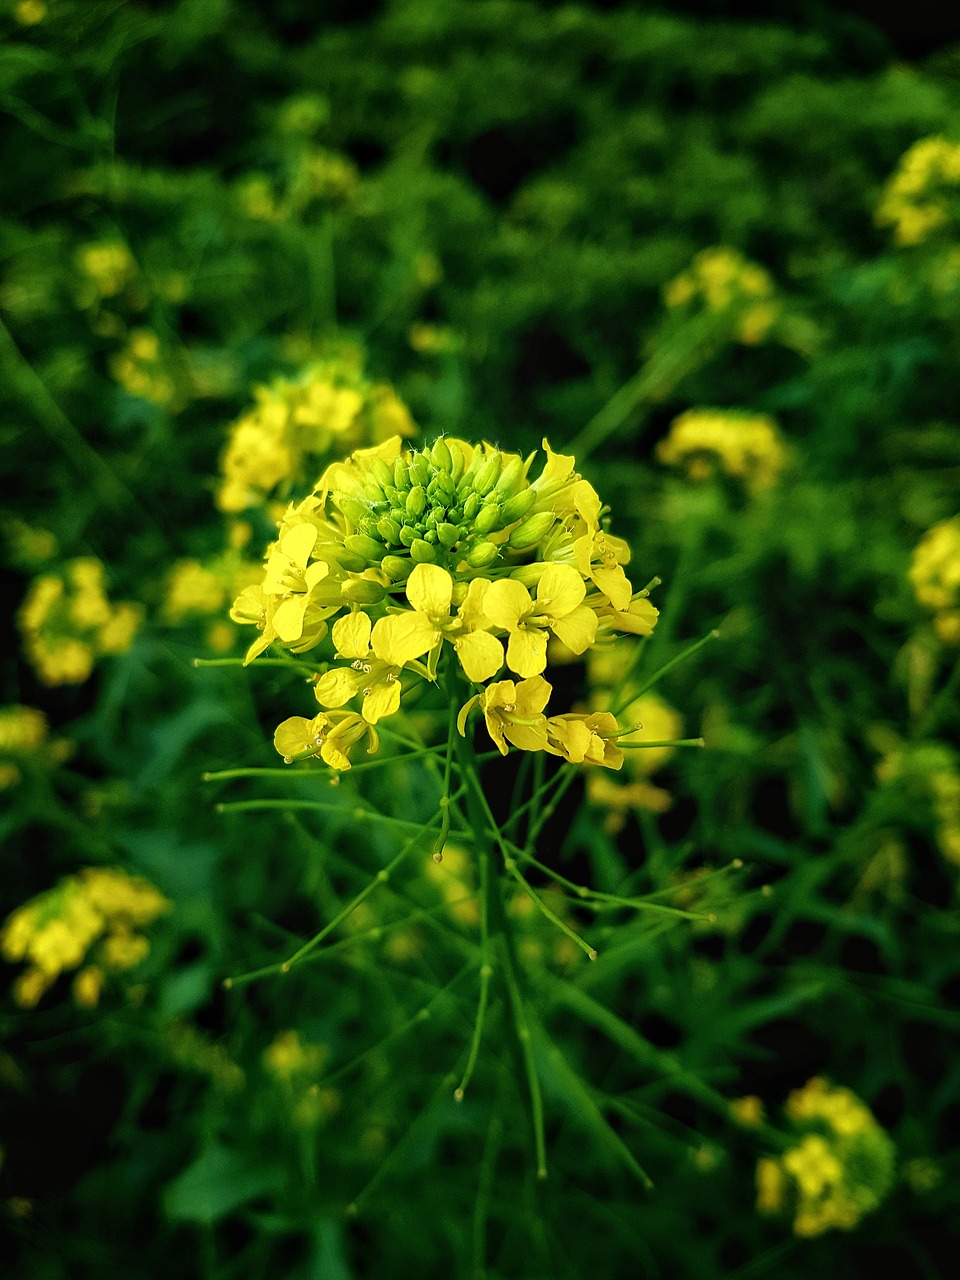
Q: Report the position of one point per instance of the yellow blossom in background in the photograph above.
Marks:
(920, 196)
(839, 1169)
(633, 789)
(298, 424)
(287, 1057)
(935, 577)
(931, 769)
(142, 368)
(25, 743)
(745, 446)
(29, 546)
(92, 916)
(446, 554)
(29, 12)
(67, 622)
(723, 281)
(108, 272)
(454, 879)
(323, 177)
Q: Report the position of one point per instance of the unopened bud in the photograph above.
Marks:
(471, 505)
(483, 555)
(488, 519)
(448, 534)
(518, 506)
(510, 479)
(488, 474)
(362, 591)
(400, 472)
(422, 552)
(441, 455)
(380, 472)
(407, 534)
(416, 501)
(397, 568)
(388, 530)
(361, 545)
(532, 530)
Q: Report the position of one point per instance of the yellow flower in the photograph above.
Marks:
(378, 681)
(558, 608)
(745, 446)
(586, 739)
(330, 735)
(402, 637)
(740, 292)
(935, 577)
(917, 198)
(513, 713)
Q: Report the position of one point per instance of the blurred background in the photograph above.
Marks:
(711, 249)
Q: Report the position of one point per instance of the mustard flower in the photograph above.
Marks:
(747, 447)
(455, 555)
(916, 199)
(935, 577)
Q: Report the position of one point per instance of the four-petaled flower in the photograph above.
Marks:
(330, 735)
(513, 713)
(558, 608)
(585, 739)
(378, 681)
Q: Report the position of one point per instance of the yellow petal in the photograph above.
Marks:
(471, 612)
(298, 543)
(404, 636)
(337, 686)
(464, 712)
(382, 699)
(351, 635)
(480, 654)
(560, 590)
(506, 602)
(533, 695)
(430, 590)
(288, 620)
(578, 629)
(295, 736)
(615, 585)
(527, 651)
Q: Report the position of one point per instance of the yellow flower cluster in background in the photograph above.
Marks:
(660, 723)
(840, 1168)
(933, 769)
(93, 916)
(142, 368)
(108, 270)
(917, 198)
(747, 447)
(68, 622)
(935, 576)
(25, 742)
(297, 425)
(722, 280)
(407, 557)
(199, 591)
(296, 1066)
(316, 178)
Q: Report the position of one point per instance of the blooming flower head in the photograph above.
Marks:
(456, 556)
(935, 576)
(25, 743)
(94, 916)
(297, 424)
(745, 446)
(917, 199)
(68, 622)
(722, 281)
(839, 1169)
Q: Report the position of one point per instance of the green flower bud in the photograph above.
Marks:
(362, 591)
(416, 501)
(488, 519)
(431, 537)
(483, 555)
(511, 479)
(353, 509)
(422, 552)
(466, 484)
(455, 514)
(448, 534)
(458, 462)
(529, 574)
(361, 545)
(518, 506)
(532, 530)
(401, 472)
(408, 534)
(488, 474)
(381, 473)
(388, 530)
(349, 560)
(441, 455)
(471, 506)
(420, 471)
(397, 568)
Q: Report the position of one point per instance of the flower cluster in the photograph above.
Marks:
(316, 177)
(199, 591)
(449, 552)
(141, 369)
(25, 742)
(745, 446)
(107, 269)
(723, 281)
(68, 622)
(93, 916)
(935, 575)
(659, 723)
(296, 1067)
(930, 770)
(297, 424)
(919, 196)
(840, 1169)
